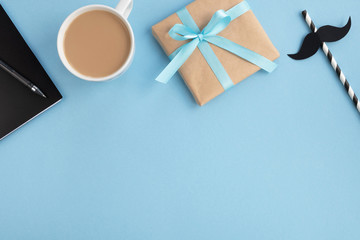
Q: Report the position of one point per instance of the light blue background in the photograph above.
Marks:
(276, 157)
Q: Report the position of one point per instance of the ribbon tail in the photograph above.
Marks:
(243, 52)
(216, 65)
(177, 61)
(173, 55)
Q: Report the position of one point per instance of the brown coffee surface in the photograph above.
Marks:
(97, 43)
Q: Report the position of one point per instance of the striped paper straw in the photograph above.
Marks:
(334, 64)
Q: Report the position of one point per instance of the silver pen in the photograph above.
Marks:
(21, 79)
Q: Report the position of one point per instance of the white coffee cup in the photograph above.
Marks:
(122, 11)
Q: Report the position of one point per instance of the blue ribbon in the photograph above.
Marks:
(201, 39)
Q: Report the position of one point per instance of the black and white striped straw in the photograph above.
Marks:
(334, 64)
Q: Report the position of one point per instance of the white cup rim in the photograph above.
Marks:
(66, 24)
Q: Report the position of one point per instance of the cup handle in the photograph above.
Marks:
(124, 7)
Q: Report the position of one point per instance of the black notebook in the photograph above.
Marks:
(18, 104)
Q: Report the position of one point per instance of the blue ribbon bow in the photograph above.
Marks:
(201, 39)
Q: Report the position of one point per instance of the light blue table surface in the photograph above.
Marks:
(276, 157)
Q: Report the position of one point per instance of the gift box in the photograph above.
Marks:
(198, 70)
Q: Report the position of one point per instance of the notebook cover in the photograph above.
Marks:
(18, 104)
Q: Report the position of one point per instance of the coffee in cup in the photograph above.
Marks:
(96, 42)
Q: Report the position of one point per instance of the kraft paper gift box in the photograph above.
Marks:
(196, 72)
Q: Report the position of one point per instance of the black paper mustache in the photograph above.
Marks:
(313, 41)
